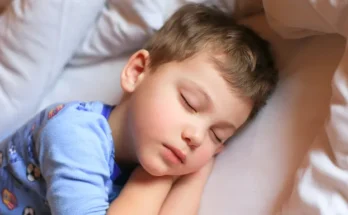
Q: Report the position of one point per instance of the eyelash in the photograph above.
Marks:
(189, 106)
(216, 137)
(187, 103)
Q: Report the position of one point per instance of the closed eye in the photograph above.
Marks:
(188, 105)
(216, 137)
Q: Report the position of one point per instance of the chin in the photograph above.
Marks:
(155, 172)
(154, 167)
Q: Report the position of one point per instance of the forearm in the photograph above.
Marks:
(143, 194)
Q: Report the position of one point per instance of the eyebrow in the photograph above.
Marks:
(210, 102)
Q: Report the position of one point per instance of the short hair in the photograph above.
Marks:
(246, 63)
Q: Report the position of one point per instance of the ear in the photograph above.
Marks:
(219, 149)
(133, 72)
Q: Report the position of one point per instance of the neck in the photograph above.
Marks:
(124, 150)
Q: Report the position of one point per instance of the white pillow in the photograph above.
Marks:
(37, 38)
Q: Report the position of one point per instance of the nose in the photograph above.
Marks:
(193, 136)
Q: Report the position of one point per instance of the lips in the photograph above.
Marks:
(177, 152)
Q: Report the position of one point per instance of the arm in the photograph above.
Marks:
(73, 153)
(151, 195)
(185, 196)
(143, 194)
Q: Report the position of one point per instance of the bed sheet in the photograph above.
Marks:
(255, 173)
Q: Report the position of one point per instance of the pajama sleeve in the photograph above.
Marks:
(74, 150)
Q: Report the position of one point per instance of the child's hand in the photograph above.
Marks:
(145, 192)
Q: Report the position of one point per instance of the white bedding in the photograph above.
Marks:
(255, 175)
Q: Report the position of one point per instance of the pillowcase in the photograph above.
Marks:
(37, 38)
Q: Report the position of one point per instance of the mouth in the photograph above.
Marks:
(177, 152)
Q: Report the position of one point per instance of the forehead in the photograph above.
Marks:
(199, 71)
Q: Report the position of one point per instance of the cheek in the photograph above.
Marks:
(201, 157)
(156, 112)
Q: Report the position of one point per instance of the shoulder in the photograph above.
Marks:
(59, 109)
(73, 114)
(70, 125)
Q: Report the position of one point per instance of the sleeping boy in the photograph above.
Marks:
(196, 82)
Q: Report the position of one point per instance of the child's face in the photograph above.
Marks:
(180, 115)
